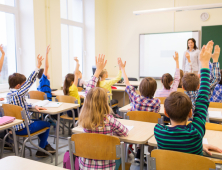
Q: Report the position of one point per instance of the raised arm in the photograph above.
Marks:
(47, 60)
(177, 73)
(76, 75)
(122, 66)
(2, 57)
(100, 65)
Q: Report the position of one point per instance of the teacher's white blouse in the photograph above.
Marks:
(194, 57)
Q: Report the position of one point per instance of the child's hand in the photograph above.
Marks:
(1, 49)
(39, 108)
(205, 54)
(81, 96)
(216, 54)
(176, 58)
(188, 56)
(121, 64)
(48, 49)
(207, 148)
(2, 99)
(76, 59)
(100, 62)
(39, 61)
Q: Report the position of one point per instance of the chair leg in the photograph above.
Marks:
(63, 127)
(127, 151)
(23, 148)
(26, 147)
(3, 143)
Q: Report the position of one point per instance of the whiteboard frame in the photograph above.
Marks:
(198, 45)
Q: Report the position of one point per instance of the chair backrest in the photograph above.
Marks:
(80, 88)
(132, 79)
(144, 116)
(37, 95)
(213, 126)
(172, 160)
(162, 99)
(66, 99)
(12, 110)
(180, 90)
(215, 105)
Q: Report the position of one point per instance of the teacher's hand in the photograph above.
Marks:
(188, 57)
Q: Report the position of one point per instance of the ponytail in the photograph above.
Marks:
(181, 76)
(100, 76)
(166, 80)
(67, 83)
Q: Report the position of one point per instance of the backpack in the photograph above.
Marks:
(66, 161)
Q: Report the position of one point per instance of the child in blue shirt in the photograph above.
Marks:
(217, 93)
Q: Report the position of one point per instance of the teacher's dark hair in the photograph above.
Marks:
(194, 41)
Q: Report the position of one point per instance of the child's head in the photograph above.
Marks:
(181, 76)
(167, 80)
(95, 109)
(190, 82)
(221, 77)
(178, 107)
(16, 80)
(103, 75)
(148, 87)
(41, 71)
(69, 80)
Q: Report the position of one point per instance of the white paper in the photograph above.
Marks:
(215, 114)
(129, 127)
(47, 103)
(53, 104)
(82, 93)
(205, 141)
(41, 103)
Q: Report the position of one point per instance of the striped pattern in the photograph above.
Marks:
(141, 103)
(112, 127)
(164, 92)
(188, 138)
(44, 86)
(17, 97)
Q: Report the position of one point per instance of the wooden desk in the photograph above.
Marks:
(60, 93)
(213, 138)
(133, 83)
(141, 132)
(10, 126)
(120, 95)
(55, 111)
(18, 163)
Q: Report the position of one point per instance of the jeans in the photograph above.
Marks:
(69, 113)
(34, 127)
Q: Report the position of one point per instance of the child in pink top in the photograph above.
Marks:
(167, 81)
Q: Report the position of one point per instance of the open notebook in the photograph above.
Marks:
(47, 103)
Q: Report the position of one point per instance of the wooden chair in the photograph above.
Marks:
(215, 105)
(68, 99)
(172, 160)
(96, 146)
(80, 88)
(180, 90)
(213, 126)
(37, 95)
(19, 113)
(162, 99)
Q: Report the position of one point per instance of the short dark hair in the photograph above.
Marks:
(40, 73)
(221, 77)
(15, 79)
(178, 106)
(194, 41)
(190, 82)
(166, 80)
(148, 87)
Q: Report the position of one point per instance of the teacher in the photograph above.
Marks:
(191, 57)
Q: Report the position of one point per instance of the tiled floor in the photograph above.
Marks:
(62, 151)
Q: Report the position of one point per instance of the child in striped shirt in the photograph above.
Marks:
(19, 88)
(178, 107)
(94, 110)
(167, 81)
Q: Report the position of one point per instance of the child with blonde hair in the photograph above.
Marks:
(95, 117)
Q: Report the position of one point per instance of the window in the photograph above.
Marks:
(72, 32)
(8, 37)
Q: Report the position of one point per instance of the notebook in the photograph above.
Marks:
(47, 103)
(6, 119)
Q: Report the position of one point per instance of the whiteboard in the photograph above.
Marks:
(157, 50)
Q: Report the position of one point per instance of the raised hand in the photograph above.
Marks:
(205, 54)
(216, 54)
(100, 62)
(39, 61)
(188, 56)
(1, 49)
(48, 49)
(176, 57)
(121, 64)
(76, 59)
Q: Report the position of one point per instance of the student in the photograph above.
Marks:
(167, 81)
(178, 107)
(217, 93)
(81, 82)
(95, 117)
(143, 102)
(190, 81)
(44, 83)
(19, 88)
(181, 76)
(70, 87)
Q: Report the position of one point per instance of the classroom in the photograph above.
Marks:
(110, 84)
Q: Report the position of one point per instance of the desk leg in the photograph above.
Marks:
(141, 156)
(15, 141)
(57, 139)
(124, 95)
